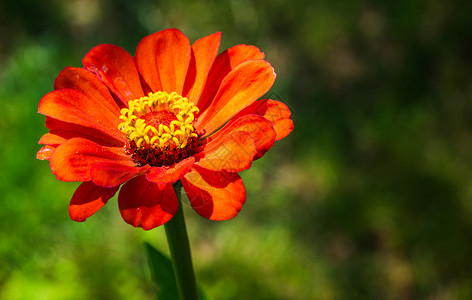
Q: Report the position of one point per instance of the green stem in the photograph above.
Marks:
(179, 246)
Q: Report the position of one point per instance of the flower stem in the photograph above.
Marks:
(179, 246)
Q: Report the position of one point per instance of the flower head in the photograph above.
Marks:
(172, 112)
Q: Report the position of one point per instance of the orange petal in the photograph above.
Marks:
(146, 204)
(233, 152)
(204, 52)
(163, 58)
(240, 88)
(74, 107)
(274, 111)
(116, 68)
(45, 152)
(258, 127)
(170, 174)
(88, 84)
(66, 131)
(109, 174)
(73, 160)
(88, 199)
(51, 139)
(214, 195)
(224, 63)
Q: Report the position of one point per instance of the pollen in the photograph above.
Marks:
(159, 128)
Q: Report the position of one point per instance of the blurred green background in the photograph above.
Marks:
(370, 197)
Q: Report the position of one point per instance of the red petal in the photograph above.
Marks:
(146, 204)
(67, 131)
(116, 68)
(73, 160)
(163, 58)
(74, 107)
(258, 127)
(170, 174)
(240, 88)
(275, 111)
(230, 153)
(88, 199)
(204, 52)
(109, 174)
(88, 84)
(45, 152)
(214, 195)
(224, 63)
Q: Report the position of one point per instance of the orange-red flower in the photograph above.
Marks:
(172, 112)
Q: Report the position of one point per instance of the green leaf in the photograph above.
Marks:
(162, 274)
(201, 294)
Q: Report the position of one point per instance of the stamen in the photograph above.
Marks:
(158, 127)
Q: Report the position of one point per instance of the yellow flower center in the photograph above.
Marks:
(159, 127)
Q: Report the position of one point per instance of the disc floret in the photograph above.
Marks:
(159, 128)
